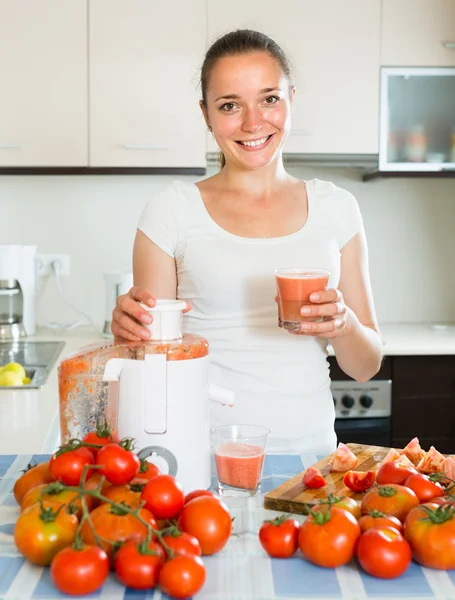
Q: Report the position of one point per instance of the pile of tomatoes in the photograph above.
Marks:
(405, 515)
(95, 507)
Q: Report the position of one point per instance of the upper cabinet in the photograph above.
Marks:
(335, 49)
(418, 33)
(43, 99)
(144, 102)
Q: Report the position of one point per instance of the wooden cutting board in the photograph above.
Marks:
(292, 496)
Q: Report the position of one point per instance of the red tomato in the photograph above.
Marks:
(447, 499)
(80, 571)
(197, 493)
(379, 519)
(39, 539)
(32, 476)
(383, 552)
(344, 502)
(424, 488)
(328, 538)
(148, 470)
(430, 530)
(313, 478)
(137, 567)
(392, 472)
(280, 537)
(182, 543)
(359, 481)
(101, 436)
(119, 465)
(163, 496)
(93, 483)
(182, 576)
(393, 499)
(68, 467)
(208, 519)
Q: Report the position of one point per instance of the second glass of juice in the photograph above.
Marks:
(239, 457)
(294, 287)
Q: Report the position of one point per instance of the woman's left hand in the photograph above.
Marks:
(329, 305)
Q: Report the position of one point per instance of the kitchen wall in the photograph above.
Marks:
(409, 224)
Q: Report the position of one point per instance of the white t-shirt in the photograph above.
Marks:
(280, 380)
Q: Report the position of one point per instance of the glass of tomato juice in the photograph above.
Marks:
(294, 287)
(239, 457)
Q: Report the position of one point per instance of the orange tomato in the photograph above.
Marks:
(344, 502)
(129, 494)
(32, 476)
(393, 499)
(61, 496)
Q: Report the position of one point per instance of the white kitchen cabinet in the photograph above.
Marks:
(43, 98)
(144, 68)
(418, 33)
(335, 49)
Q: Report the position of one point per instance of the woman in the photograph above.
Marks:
(218, 242)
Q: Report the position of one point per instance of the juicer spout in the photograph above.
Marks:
(221, 395)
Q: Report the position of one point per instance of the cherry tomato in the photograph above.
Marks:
(393, 499)
(313, 478)
(379, 519)
(280, 537)
(183, 543)
(328, 538)
(80, 571)
(163, 496)
(392, 472)
(197, 493)
(359, 481)
(148, 470)
(139, 567)
(120, 466)
(32, 476)
(68, 467)
(101, 436)
(208, 519)
(424, 488)
(40, 533)
(383, 552)
(182, 576)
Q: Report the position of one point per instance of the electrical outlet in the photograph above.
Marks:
(44, 264)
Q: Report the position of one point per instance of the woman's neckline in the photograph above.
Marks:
(261, 240)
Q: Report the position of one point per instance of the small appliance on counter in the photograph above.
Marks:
(116, 284)
(17, 291)
(157, 392)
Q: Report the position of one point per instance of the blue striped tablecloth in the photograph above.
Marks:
(241, 571)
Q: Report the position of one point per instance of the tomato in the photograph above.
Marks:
(392, 472)
(430, 530)
(344, 502)
(182, 543)
(115, 525)
(148, 470)
(163, 496)
(68, 467)
(182, 576)
(379, 519)
(328, 538)
(119, 465)
(129, 494)
(78, 571)
(55, 492)
(32, 476)
(424, 488)
(393, 499)
(313, 478)
(383, 552)
(138, 567)
(40, 533)
(209, 520)
(359, 481)
(93, 483)
(280, 537)
(197, 493)
(447, 499)
(101, 436)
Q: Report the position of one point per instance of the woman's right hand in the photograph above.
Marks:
(128, 315)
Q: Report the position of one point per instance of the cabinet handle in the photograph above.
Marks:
(9, 147)
(449, 45)
(145, 147)
(301, 132)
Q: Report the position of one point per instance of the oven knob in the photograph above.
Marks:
(347, 401)
(366, 401)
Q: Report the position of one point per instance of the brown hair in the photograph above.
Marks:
(241, 41)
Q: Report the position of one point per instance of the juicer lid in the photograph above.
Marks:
(167, 319)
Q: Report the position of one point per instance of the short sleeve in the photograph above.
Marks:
(159, 220)
(349, 219)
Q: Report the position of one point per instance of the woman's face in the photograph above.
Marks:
(248, 108)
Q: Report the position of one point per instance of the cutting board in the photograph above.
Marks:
(292, 496)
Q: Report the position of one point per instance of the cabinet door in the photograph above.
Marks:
(418, 33)
(43, 99)
(144, 101)
(334, 47)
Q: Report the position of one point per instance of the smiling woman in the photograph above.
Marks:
(218, 243)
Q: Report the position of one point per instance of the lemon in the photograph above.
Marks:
(9, 378)
(26, 380)
(16, 368)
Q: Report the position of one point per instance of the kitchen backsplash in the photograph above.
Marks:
(409, 225)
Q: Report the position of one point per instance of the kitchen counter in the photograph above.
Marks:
(29, 418)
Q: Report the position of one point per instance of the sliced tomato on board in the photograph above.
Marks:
(432, 461)
(359, 481)
(413, 451)
(313, 478)
(343, 459)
